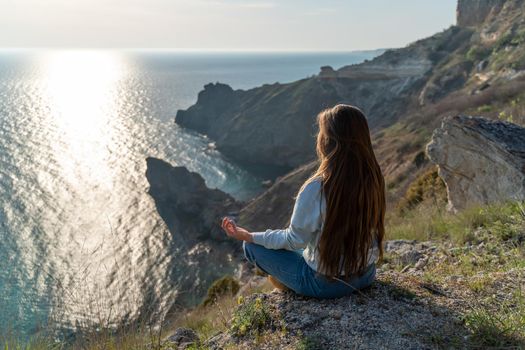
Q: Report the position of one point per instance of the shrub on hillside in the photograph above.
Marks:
(428, 186)
(226, 285)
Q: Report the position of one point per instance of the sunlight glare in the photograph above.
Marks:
(82, 88)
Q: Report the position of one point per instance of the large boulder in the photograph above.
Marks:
(481, 160)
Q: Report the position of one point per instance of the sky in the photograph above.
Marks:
(312, 25)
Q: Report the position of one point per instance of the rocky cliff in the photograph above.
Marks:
(458, 70)
(273, 125)
(475, 12)
(481, 161)
(465, 280)
(186, 204)
(405, 93)
(192, 213)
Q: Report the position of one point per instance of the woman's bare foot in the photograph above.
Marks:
(276, 283)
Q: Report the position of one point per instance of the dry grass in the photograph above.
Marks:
(481, 257)
(430, 222)
(214, 317)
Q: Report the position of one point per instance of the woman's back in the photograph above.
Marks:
(336, 231)
(305, 228)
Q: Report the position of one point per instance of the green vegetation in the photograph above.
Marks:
(209, 320)
(498, 327)
(309, 343)
(503, 327)
(506, 117)
(488, 244)
(430, 222)
(250, 318)
(427, 187)
(484, 109)
(103, 340)
(212, 318)
(476, 53)
(35, 344)
(226, 285)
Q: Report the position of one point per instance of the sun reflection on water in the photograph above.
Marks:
(82, 89)
(84, 236)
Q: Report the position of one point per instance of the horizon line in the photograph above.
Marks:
(188, 50)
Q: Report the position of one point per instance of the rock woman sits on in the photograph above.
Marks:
(336, 231)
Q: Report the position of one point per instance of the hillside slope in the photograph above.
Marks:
(477, 67)
(274, 124)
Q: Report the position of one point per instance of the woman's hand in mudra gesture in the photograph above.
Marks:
(234, 231)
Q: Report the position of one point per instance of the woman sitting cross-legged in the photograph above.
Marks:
(337, 227)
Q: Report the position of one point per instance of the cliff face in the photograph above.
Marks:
(404, 92)
(186, 204)
(471, 13)
(192, 213)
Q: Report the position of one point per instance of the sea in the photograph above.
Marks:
(79, 235)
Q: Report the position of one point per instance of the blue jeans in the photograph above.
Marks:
(290, 268)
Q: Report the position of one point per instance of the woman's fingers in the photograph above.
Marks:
(229, 226)
(225, 223)
(226, 227)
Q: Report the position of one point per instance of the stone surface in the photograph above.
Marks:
(481, 160)
(186, 204)
(183, 338)
(474, 12)
(409, 252)
(395, 313)
(192, 213)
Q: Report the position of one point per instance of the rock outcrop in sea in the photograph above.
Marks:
(186, 204)
(192, 213)
(482, 161)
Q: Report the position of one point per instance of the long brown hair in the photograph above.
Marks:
(354, 188)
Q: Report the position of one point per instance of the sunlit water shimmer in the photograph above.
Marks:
(79, 235)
